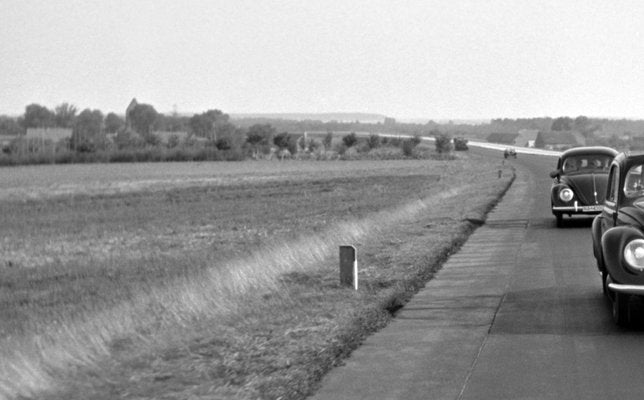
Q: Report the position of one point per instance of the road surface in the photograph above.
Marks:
(518, 313)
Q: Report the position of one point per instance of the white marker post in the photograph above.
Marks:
(349, 266)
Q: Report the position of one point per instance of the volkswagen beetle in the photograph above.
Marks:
(509, 152)
(618, 235)
(580, 181)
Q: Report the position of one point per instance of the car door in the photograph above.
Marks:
(609, 213)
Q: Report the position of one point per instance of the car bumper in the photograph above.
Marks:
(627, 289)
(578, 209)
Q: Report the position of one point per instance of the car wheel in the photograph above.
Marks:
(559, 217)
(620, 309)
(604, 283)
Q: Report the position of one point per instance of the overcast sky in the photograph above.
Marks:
(405, 59)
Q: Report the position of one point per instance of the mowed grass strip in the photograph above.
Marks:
(223, 292)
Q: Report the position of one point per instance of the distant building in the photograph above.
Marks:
(502, 138)
(44, 134)
(164, 136)
(559, 140)
(526, 138)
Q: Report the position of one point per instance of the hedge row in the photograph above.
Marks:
(129, 155)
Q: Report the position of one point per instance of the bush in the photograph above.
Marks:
(223, 144)
(350, 139)
(362, 146)
(152, 139)
(443, 143)
(282, 140)
(351, 153)
(65, 157)
(460, 144)
(134, 154)
(340, 148)
(173, 141)
(328, 140)
(373, 141)
(385, 153)
(407, 147)
(314, 146)
(286, 141)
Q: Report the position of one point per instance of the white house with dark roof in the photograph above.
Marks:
(45, 134)
(526, 137)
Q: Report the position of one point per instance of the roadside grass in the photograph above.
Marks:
(241, 298)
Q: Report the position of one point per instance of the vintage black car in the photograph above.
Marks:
(509, 152)
(579, 184)
(618, 235)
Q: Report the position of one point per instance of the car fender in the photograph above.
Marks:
(597, 249)
(612, 247)
(554, 193)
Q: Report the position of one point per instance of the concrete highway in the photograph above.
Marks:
(517, 313)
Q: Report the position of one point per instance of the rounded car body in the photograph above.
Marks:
(579, 184)
(510, 152)
(618, 234)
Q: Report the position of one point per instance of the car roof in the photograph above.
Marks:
(576, 151)
(630, 158)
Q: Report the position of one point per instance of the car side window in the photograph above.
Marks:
(613, 180)
(570, 165)
(634, 182)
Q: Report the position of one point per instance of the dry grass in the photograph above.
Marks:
(220, 290)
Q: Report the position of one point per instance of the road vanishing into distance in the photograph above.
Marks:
(517, 313)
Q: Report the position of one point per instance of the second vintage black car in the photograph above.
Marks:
(618, 235)
(509, 152)
(579, 182)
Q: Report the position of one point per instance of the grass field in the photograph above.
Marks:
(215, 280)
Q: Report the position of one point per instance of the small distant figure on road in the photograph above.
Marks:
(510, 152)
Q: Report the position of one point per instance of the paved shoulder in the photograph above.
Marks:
(430, 348)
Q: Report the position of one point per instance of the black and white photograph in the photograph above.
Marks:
(321, 200)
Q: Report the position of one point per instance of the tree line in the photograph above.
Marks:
(211, 134)
(143, 134)
(136, 136)
(214, 123)
(93, 131)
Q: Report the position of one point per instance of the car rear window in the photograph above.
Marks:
(587, 163)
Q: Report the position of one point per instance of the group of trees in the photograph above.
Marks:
(10, 126)
(146, 118)
(91, 128)
(206, 135)
(214, 124)
(210, 134)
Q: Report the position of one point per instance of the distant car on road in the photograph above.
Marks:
(618, 235)
(510, 152)
(579, 185)
(460, 144)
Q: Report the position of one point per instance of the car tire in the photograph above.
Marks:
(604, 283)
(621, 312)
(559, 218)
